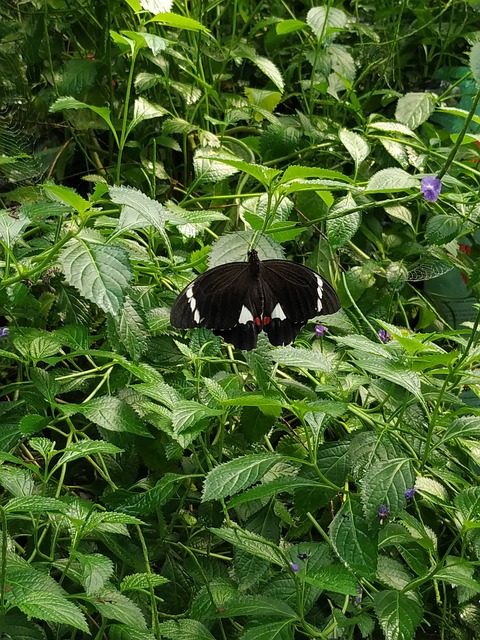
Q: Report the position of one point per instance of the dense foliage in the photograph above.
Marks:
(162, 485)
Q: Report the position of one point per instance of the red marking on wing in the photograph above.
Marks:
(258, 322)
(266, 321)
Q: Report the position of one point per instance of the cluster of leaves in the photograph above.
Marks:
(160, 486)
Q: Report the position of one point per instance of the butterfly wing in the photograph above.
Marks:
(293, 294)
(225, 299)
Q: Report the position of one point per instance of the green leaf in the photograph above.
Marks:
(289, 26)
(475, 63)
(390, 181)
(353, 540)
(187, 414)
(61, 104)
(14, 625)
(127, 631)
(138, 210)
(184, 630)
(114, 605)
(313, 360)
(129, 327)
(257, 605)
(322, 20)
(266, 100)
(17, 481)
(281, 485)
(342, 229)
(11, 227)
(142, 581)
(441, 229)
(268, 406)
(458, 574)
(33, 423)
(232, 477)
(100, 272)
(152, 500)
(334, 577)
(385, 482)
(35, 343)
(96, 570)
(110, 413)
(85, 448)
(357, 147)
(68, 196)
(35, 504)
(394, 372)
(463, 427)
(251, 543)
(399, 614)
(414, 109)
(178, 22)
(270, 631)
(52, 607)
(468, 504)
(272, 72)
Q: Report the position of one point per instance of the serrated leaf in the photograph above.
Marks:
(11, 227)
(353, 540)
(385, 482)
(52, 607)
(127, 631)
(251, 543)
(114, 605)
(19, 627)
(138, 210)
(342, 228)
(184, 630)
(441, 229)
(232, 477)
(458, 574)
(96, 570)
(100, 272)
(210, 165)
(323, 19)
(71, 103)
(313, 360)
(399, 212)
(142, 581)
(391, 180)
(394, 372)
(17, 481)
(357, 147)
(35, 504)
(463, 427)
(257, 605)
(414, 109)
(468, 503)
(85, 448)
(153, 499)
(270, 69)
(69, 197)
(281, 485)
(36, 343)
(187, 414)
(110, 413)
(399, 614)
(270, 631)
(334, 577)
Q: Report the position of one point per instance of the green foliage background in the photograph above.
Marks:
(159, 485)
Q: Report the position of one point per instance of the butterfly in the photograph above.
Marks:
(237, 300)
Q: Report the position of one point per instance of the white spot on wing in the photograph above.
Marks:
(189, 292)
(193, 304)
(319, 294)
(245, 315)
(196, 317)
(278, 312)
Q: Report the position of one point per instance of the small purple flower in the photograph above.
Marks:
(409, 493)
(384, 336)
(430, 187)
(320, 330)
(383, 512)
(302, 556)
(358, 599)
(294, 567)
(4, 332)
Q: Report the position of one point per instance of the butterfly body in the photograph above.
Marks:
(237, 300)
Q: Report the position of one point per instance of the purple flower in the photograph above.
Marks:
(358, 599)
(320, 330)
(431, 187)
(409, 493)
(4, 331)
(294, 567)
(384, 336)
(383, 512)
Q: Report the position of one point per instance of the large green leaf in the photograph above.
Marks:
(399, 614)
(232, 477)
(110, 413)
(100, 272)
(138, 210)
(385, 483)
(51, 607)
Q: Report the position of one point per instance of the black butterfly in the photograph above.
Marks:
(239, 299)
